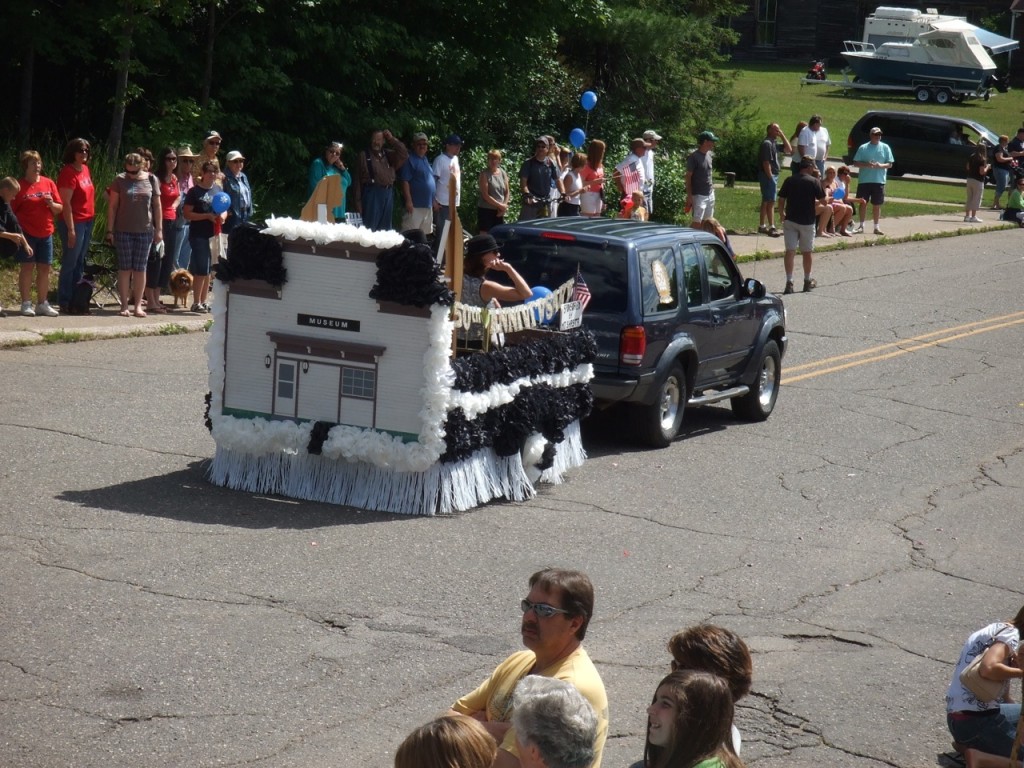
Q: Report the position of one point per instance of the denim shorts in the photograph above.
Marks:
(769, 187)
(42, 250)
(992, 733)
(200, 263)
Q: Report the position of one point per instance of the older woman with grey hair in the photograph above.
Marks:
(555, 726)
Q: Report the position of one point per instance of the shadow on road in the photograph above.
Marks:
(609, 433)
(186, 495)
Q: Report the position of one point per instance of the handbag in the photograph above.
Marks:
(982, 687)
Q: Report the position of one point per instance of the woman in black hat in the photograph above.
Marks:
(477, 291)
(481, 256)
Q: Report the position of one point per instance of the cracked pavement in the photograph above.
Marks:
(150, 619)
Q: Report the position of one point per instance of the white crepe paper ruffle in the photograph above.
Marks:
(440, 489)
(475, 403)
(323, 233)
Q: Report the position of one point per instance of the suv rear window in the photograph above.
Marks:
(550, 262)
(659, 285)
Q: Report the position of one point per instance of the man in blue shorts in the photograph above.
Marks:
(768, 176)
(874, 160)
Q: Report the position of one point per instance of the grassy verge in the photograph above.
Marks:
(776, 92)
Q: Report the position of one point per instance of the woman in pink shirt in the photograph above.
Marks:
(592, 178)
(36, 205)
(74, 185)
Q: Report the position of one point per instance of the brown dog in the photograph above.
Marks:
(181, 286)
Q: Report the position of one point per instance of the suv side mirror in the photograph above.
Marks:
(754, 288)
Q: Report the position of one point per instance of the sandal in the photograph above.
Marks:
(140, 313)
(158, 309)
(125, 313)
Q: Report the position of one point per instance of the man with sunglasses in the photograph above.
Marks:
(556, 613)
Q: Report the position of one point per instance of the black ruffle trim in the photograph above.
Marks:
(317, 436)
(555, 353)
(540, 408)
(409, 275)
(252, 255)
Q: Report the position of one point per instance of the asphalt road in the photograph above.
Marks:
(150, 619)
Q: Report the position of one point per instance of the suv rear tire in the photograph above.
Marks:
(659, 423)
(758, 404)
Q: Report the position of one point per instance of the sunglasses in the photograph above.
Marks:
(214, 142)
(543, 610)
(171, 159)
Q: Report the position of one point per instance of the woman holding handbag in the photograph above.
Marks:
(980, 725)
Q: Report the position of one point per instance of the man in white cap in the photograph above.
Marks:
(874, 159)
(652, 138)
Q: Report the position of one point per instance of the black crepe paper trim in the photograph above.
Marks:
(206, 412)
(409, 275)
(252, 255)
(541, 408)
(317, 436)
(553, 354)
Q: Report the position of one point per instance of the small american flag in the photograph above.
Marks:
(631, 178)
(580, 291)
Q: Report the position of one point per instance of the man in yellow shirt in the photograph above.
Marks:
(555, 617)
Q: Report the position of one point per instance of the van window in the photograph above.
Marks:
(542, 261)
(659, 286)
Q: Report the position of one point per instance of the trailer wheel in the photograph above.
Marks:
(943, 95)
(923, 95)
(987, 95)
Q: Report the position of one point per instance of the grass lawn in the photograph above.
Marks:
(776, 92)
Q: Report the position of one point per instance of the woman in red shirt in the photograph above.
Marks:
(158, 272)
(36, 205)
(75, 225)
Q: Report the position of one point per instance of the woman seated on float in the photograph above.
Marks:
(481, 257)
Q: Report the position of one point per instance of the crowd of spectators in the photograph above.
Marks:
(156, 222)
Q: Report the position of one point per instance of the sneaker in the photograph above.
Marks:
(26, 309)
(763, 230)
(859, 229)
(809, 285)
(976, 220)
(775, 232)
(967, 219)
(789, 287)
(879, 232)
(197, 307)
(44, 309)
(206, 306)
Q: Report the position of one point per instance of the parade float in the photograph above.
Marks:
(334, 376)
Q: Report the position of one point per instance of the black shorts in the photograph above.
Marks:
(873, 192)
(487, 219)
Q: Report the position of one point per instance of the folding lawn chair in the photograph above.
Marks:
(101, 272)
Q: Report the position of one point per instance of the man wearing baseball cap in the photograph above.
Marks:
(418, 187)
(874, 160)
(652, 138)
(700, 191)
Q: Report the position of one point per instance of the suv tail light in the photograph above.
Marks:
(632, 345)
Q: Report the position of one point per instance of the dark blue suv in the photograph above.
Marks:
(675, 321)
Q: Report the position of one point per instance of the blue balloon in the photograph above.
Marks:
(539, 292)
(839, 194)
(588, 100)
(221, 202)
(577, 137)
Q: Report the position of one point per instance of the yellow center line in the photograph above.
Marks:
(904, 347)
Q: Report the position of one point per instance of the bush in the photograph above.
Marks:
(738, 150)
